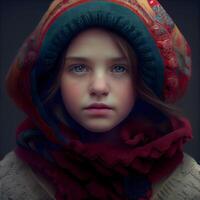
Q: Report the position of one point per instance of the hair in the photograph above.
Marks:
(143, 92)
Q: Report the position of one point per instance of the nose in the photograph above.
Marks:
(99, 85)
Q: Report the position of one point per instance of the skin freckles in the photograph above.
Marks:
(94, 77)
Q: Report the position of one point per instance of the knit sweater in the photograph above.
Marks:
(19, 182)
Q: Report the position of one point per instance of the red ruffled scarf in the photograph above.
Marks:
(81, 171)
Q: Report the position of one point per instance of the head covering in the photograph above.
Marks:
(80, 169)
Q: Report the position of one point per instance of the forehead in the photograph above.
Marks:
(94, 42)
(87, 59)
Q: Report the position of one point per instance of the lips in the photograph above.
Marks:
(98, 106)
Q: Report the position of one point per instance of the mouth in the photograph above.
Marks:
(98, 106)
(98, 111)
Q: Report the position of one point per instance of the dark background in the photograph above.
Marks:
(18, 19)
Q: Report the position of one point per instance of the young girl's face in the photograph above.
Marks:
(96, 71)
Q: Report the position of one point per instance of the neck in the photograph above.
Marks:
(108, 136)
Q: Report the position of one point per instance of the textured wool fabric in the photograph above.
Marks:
(81, 164)
(122, 170)
(17, 182)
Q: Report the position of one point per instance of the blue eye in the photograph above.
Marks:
(77, 68)
(120, 68)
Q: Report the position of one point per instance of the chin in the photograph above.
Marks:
(95, 130)
(100, 128)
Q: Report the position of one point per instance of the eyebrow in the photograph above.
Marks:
(86, 59)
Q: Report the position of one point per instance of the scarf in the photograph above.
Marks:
(124, 169)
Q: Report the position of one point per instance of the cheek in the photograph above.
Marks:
(126, 95)
(71, 91)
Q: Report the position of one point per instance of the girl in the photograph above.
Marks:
(97, 80)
